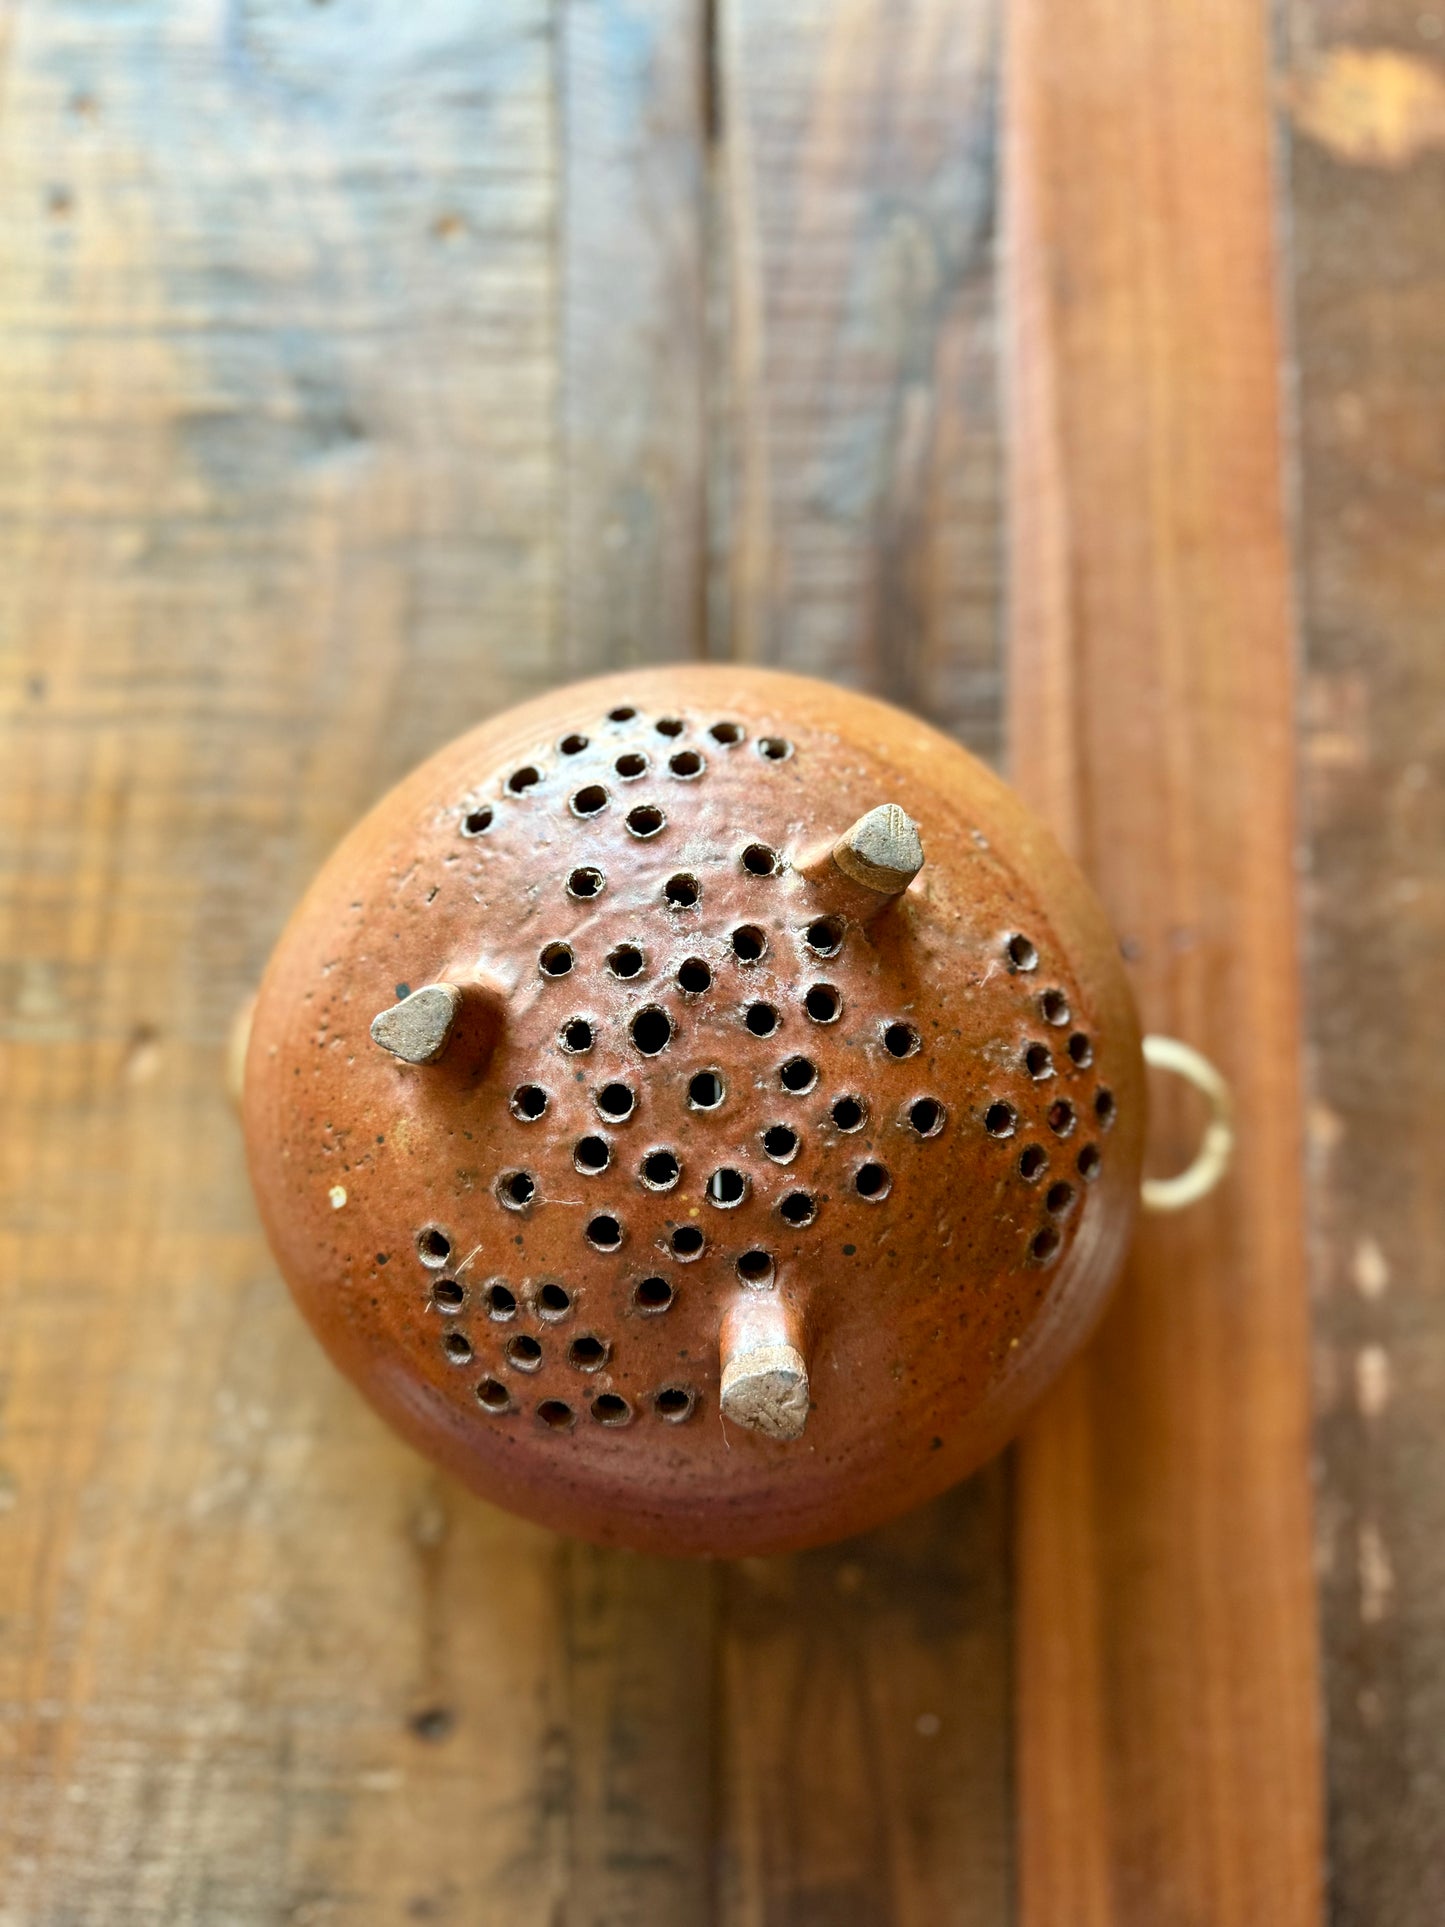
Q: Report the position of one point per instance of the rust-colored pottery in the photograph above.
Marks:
(701, 1108)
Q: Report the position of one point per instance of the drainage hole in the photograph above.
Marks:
(493, 1396)
(687, 763)
(1061, 1117)
(799, 1074)
(604, 1233)
(458, 1348)
(523, 1352)
(624, 713)
(1060, 1197)
(850, 1113)
(477, 822)
(1038, 1063)
(449, 1294)
(925, 1114)
(589, 801)
(556, 1415)
(521, 780)
(1104, 1107)
(674, 1403)
(554, 1300)
(726, 1187)
(651, 1030)
(1055, 1007)
(1089, 1162)
(761, 1019)
(615, 1101)
(585, 883)
(670, 725)
(1000, 1120)
(1021, 953)
(500, 1301)
(653, 1294)
(625, 960)
(777, 749)
(749, 943)
(660, 1170)
(726, 733)
(631, 766)
(686, 1241)
(901, 1040)
(824, 937)
(873, 1182)
(591, 1154)
(760, 860)
(587, 1352)
(682, 891)
(1081, 1050)
(516, 1189)
(706, 1090)
(693, 976)
(799, 1208)
(1032, 1160)
(823, 1004)
(781, 1143)
(608, 1408)
(756, 1267)
(433, 1246)
(572, 745)
(1045, 1245)
(576, 1035)
(556, 959)
(528, 1103)
(646, 820)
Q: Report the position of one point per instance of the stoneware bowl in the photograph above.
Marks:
(701, 1108)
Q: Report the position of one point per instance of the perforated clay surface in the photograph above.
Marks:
(707, 1082)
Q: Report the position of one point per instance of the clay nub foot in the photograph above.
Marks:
(764, 1371)
(419, 1028)
(869, 866)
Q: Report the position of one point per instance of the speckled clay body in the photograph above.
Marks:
(737, 1197)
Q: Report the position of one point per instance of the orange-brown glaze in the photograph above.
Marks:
(934, 1116)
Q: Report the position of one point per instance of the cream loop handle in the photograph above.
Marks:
(1216, 1148)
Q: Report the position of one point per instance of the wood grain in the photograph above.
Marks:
(292, 499)
(866, 1696)
(634, 239)
(864, 1727)
(1168, 1733)
(1366, 176)
(857, 509)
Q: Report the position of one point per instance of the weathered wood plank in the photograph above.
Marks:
(1366, 93)
(283, 384)
(867, 1691)
(860, 504)
(1167, 1678)
(634, 245)
(864, 1730)
(641, 1713)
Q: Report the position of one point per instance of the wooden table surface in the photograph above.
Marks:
(1072, 372)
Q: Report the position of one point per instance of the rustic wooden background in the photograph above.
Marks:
(1072, 372)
